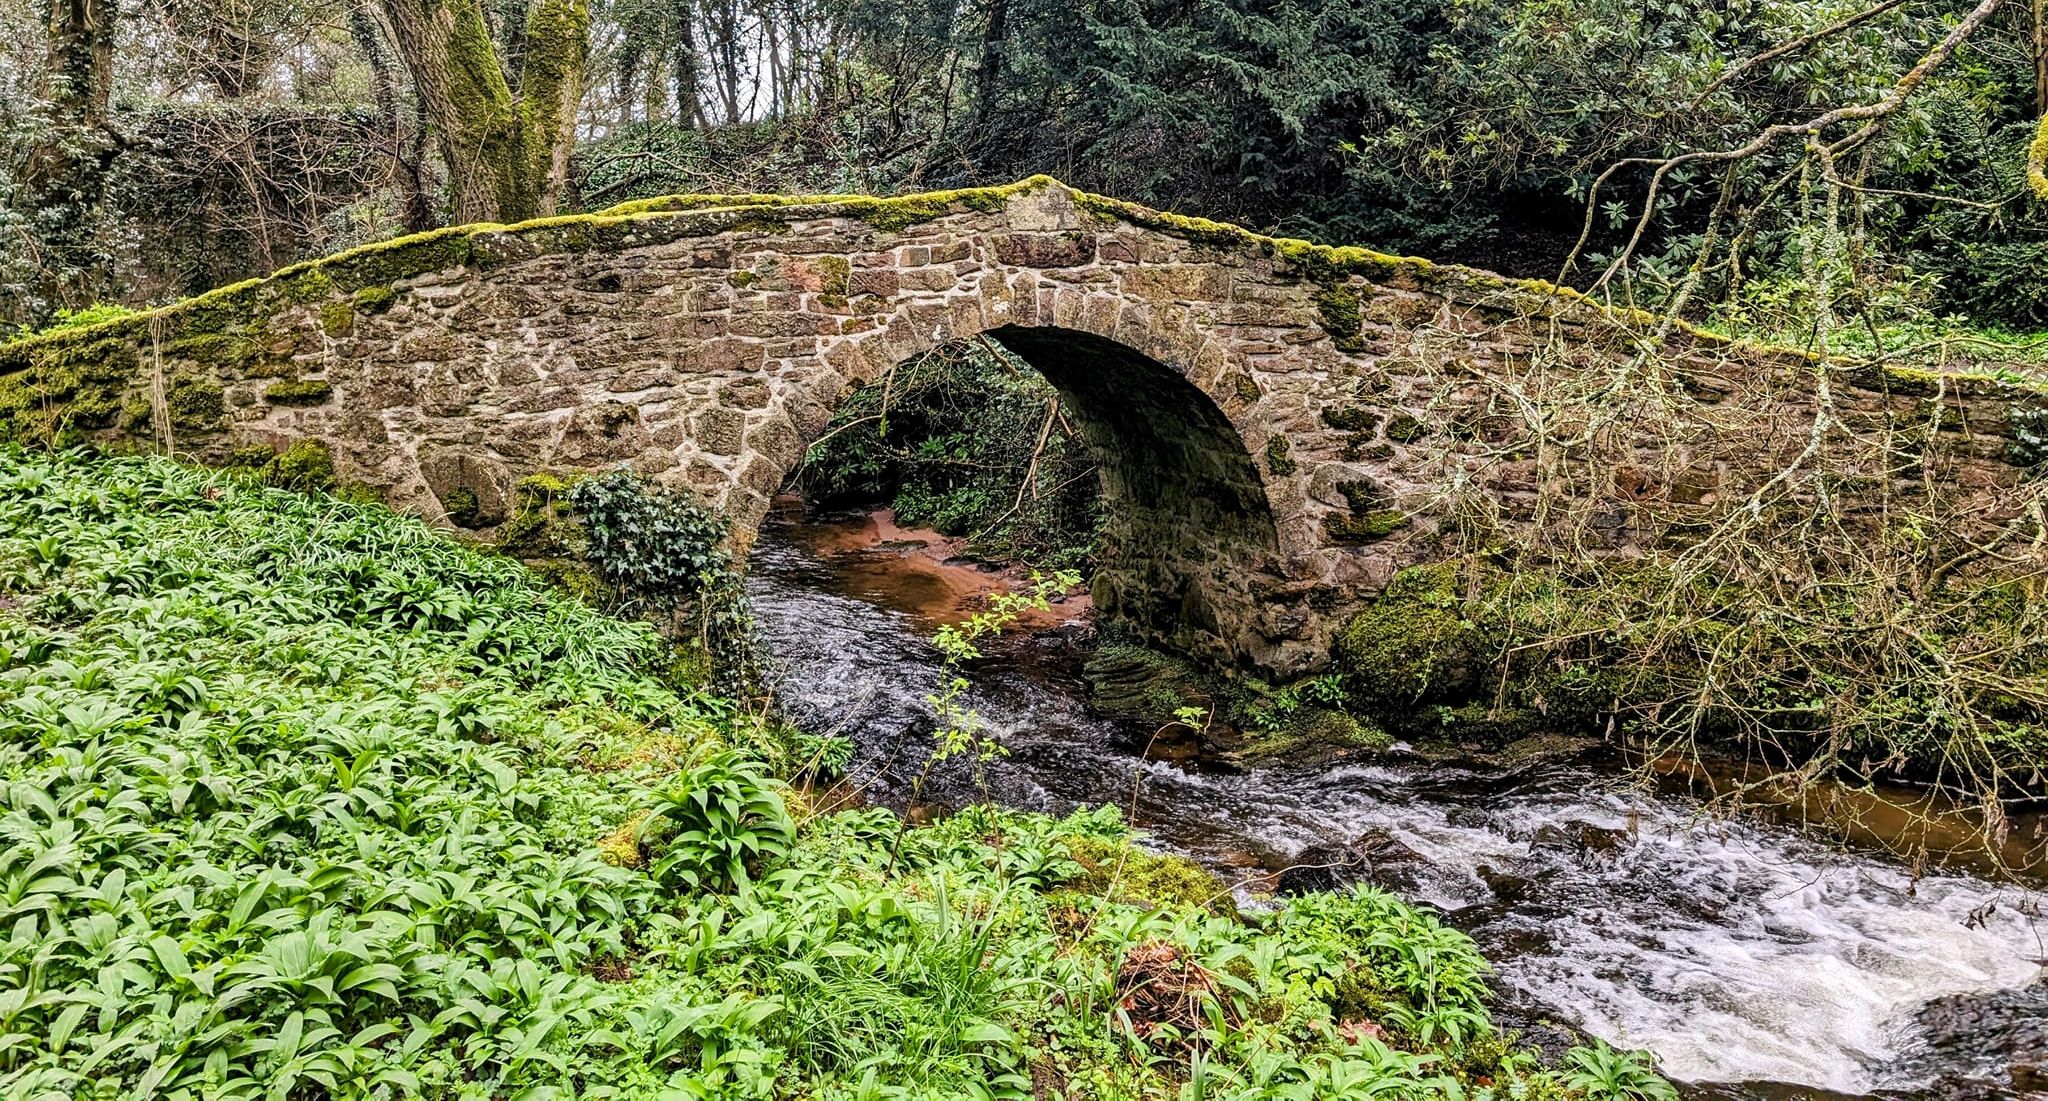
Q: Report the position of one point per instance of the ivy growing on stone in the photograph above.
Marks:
(666, 558)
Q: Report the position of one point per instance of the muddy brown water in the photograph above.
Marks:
(1755, 958)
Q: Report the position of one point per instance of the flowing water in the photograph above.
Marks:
(1755, 960)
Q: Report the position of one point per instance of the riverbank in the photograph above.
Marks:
(307, 797)
(1757, 960)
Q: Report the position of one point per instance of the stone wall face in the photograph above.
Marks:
(1281, 436)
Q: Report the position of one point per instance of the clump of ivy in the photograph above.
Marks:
(2030, 435)
(665, 558)
(85, 316)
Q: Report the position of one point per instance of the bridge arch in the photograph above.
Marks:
(1188, 521)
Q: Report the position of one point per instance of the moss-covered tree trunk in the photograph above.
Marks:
(63, 175)
(506, 140)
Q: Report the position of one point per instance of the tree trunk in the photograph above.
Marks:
(988, 77)
(689, 78)
(63, 177)
(2037, 151)
(507, 153)
(407, 149)
(2041, 57)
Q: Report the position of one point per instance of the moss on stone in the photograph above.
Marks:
(1279, 456)
(1201, 231)
(195, 402)
(1414, 644)
(306, 465)
(1123, 872)
(772, 227)
(1369, 527)
(1362, 495)
(64, 389)
(1361, 447)
(1313, 730)
(1404, 428)
(1338, 308)
(621, 847)
(890, 214)
(837, 273)
(899, 215)
(337, 318)
(1135, 682)
(1892, 379)
(309, 287)
(542, 533)
(1245, 386)
(298, 391)
(221, 351)
(462, 507)
(374, 299)
(1351, 418)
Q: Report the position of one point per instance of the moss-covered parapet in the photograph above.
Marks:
(890, 213)
(83, 377)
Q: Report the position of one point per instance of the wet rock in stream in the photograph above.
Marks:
(1374, 857)
(1988, 1043)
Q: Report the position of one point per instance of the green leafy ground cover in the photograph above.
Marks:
(299, 800)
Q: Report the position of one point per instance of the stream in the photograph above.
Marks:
(1755, 959)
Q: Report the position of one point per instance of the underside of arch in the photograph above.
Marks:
(1189, 530)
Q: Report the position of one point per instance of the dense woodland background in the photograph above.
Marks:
(155, 148)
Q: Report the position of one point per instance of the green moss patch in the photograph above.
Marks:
(300, 391)
(1405, 428)
(1279, 457)
(1415, 643)
(306, 466)
(1119, 871)
(195, 402)
(1351, 418)
(1367, 528)
(374, 299)
(1337, 307)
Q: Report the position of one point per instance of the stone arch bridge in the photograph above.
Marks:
(1280, 425)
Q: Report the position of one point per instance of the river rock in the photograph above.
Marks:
(1981, 1045)
(1583, 839)
(1374, 857)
